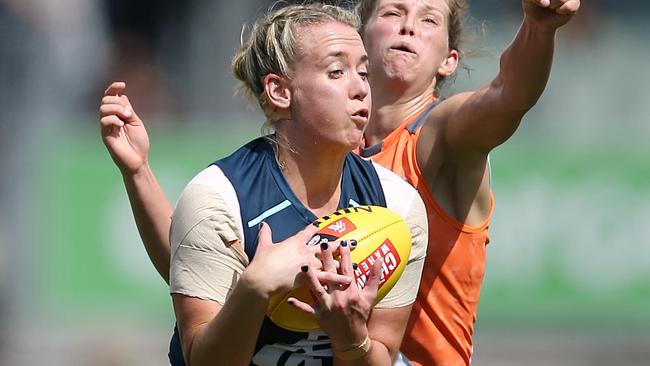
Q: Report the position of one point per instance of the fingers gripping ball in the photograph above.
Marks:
(379, 232)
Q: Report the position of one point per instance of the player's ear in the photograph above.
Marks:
(449, 64)
(277, 92)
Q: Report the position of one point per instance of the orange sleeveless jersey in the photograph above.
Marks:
(440, 328)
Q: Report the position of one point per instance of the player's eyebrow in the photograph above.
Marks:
(340, 54)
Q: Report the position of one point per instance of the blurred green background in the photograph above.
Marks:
(568, 275)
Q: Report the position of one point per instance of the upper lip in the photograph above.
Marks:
(403, 46)
(363, 112)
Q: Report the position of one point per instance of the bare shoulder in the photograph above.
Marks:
(432, 143)
(445, 112)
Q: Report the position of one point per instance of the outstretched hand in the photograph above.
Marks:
(551, 13)
(122, 130)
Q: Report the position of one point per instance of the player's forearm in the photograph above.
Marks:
(152, 212)
(385, 329)
(230, 337)
(525, 67)
(484, 119)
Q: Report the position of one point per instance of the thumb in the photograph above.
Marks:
(303, 236)
(307, 233)
(133, 117)
(265, 237)
(541, 3)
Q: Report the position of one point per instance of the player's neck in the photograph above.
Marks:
(390, 110)
(315, 178)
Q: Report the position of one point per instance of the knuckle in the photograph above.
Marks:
(340, 303)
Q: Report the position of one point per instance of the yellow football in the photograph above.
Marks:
(379, 232)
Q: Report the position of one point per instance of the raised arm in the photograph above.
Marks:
(481, 120)
(127, 142)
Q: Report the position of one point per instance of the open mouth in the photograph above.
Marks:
(362, 113)
(360, 117)
(403, 47)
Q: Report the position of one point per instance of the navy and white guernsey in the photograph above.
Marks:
(262, 194)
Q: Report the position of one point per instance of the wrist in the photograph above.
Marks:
(253, 285)
(142, 172)
(538, 28)
(354, 352)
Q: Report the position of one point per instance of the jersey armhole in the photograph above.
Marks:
(433, 202)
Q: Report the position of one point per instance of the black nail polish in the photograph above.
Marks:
(355, 266)
(353, 243)
(259, 227)
(324, 246)
(316, 223)
(304, 268)
(344, 243)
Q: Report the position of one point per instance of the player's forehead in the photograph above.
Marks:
(319, 42)
(422, 5)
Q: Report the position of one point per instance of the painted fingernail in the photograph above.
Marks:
(314, 240)
(355, 266)
(353, 243)
(304, 268)
(324, 246)
(344, 243)
(259, 227)
(316, 223)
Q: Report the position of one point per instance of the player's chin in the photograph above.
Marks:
(360, 121)
(350, 139)
(354, 141)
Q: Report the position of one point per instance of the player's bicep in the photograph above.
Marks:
(477, 122)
